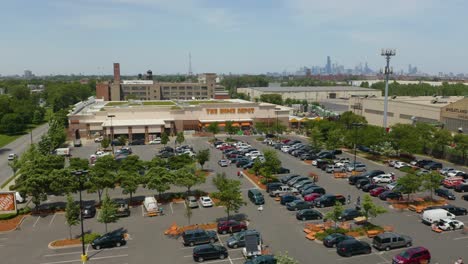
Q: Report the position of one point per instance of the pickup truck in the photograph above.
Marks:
(282, 190)
(329, 200)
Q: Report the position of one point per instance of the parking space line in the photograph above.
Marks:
(79, 252)
(142, 212)
(37, 220)
(52, 220)
(458, 238)
(79, 260)
(222, 244)
(172, 210)
(357, 256)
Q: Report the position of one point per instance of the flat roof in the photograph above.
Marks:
(134, 122)
(422, 100)
(137, 82)
(312, 89)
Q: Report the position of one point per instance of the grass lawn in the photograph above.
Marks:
(207, 102)
(6, 139)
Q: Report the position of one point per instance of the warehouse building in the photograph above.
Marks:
(442, 111)
(148, 119)
(311, 94)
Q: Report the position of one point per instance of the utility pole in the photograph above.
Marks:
(112, 133)
(387, 53)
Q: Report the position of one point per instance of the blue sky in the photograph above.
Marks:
(238, 36)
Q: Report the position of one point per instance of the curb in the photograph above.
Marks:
(59, 247)
(17, 227)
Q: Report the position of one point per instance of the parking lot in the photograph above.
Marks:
(280, 230)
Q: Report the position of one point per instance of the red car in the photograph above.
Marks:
(413, 255)
(285, 141)
(226, 147)
(311, 197)
(376, 191)
(225, 227)
(452, 182)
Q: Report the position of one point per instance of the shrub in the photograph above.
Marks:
(406, 170)
(260, 139)
(407, 157)
(8, 216)
(25, 210)
(230, 140)
(88, 238)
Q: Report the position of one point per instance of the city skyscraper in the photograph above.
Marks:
(328, 67)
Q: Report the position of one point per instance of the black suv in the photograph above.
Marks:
(122, 208)
(329, 200)
(350, 247)
(199, 236)
(370, 174)
(114, 238)
(450, 208)
(89, 211)
(200, 253)
(350, 214)
(461, 187)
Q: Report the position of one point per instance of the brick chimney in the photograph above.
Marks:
(116, 72)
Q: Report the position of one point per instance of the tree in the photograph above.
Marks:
(213, 128)
(431, 181)
(272, 98)
(129, 182)
(335, 213)
(230, 129)
(369, 208)
(257, 166)
(179, 161)
(285, 259)
(188, 213)
(180, 137)
(202, 157)
(440, 141)
(186, 177)
(78, 164)
(56, 133)
(102, 175)
(410, 183)
(72, 214)
(461, 144)
(406, 138)
(261, 127)
(272, 164)
(164, 138)
(122, 140)
(159, 179)
(334, 140)
(105, 142)
(229, 194)
(108, 212)
(12, 123)
(316, 138)
(348, 118)
(132, 164)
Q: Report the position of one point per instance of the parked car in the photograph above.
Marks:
(191, 202)
(272, 186)
(223, 163)
(283, 170)
(198, 236)
(238, 239)
(383, 178)
(298, 179)
(89, 211)
(351, 247)
(445, 194)
(357, 167)
(450, 224)
(433, 166)
(242, 162)
(206, 201)
(98, 139)
(413, 255)
(446, 170)
(329, 200)
(400, 165)
(311, 197)
(333, 239)
(210, 251)
(155, 141)
(334, 168)
(282, 190)
(390, 195)
(390, 240)
(298, 205)
(122, 207)
(137, 141)
(12, 156)
(435, 215)
(225, 227)
(369, 187)
(308, 214)
(350, 214)
(462, 187)
(286, 178)
(288, 198)
(313, 189)
(454, 173)
(361, 182)
(256, 197)
(377, 191)
(112, 239)
(300, 185)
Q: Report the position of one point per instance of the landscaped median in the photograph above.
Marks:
(320, 231)
(74, 242)
(10, 222)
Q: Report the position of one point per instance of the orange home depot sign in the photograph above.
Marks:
(215, 111)
(7, 202)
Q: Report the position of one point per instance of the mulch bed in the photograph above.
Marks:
(66, 242)
(255, 179)
(10, 224)
(203, 173)
(308, 162)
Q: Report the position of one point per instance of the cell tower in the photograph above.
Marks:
(190, 73)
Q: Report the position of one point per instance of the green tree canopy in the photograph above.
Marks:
(72, 214)
(180, 137)
(370, 209)
(410, 183)
(203, 156)
(186, 177)
(229, 194)
(213, 128)
(108, 213)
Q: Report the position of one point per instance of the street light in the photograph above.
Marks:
(387, 53)
(112, 133)
(78, 174)
(355, 125)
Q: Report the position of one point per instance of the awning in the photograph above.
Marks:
(294, 120)
(235, 124)
(246, 124)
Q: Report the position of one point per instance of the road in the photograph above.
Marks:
(18, 146)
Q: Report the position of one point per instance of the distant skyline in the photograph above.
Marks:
(242, 36)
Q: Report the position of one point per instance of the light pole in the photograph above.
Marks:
(355, 125)
(112, 133)
(277, 130)
(78, 174)
(387, 53)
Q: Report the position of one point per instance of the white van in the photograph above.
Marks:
(19, 198)
(435, 215)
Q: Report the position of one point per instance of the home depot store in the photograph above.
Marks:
(147, 119)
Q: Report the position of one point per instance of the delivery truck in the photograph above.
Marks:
(151, 206)
(62, 152)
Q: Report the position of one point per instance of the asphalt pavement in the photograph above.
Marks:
(18, 147)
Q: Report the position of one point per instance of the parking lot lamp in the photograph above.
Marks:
(79, 174)
(112, 133)
(355, 125)
(387, 53)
